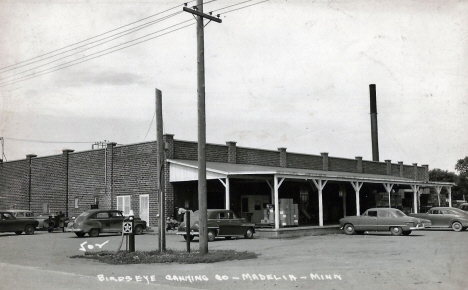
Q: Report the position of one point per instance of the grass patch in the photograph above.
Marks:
(170, 256)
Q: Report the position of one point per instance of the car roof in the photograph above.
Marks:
(16, 210)
(384, 209)
(102, 210)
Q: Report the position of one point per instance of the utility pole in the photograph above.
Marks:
(202, 200)
(160, 166)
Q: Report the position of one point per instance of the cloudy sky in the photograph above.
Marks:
(280, 73)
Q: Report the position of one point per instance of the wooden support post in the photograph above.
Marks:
(226, 187)
(160, 168)
(320, 184)
(449, 189)
(276, 187)
(415, 197)
(388, 188)
(438, 190)
(357, 187)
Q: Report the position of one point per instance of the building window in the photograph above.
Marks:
(77, 202)
(123, 204)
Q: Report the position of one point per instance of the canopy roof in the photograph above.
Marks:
(186, 170)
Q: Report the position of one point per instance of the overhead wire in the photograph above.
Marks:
(97, 35)
(44, 141)
(64, 65)
(133, 30)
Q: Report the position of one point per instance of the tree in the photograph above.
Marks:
(442, 175)
(462, 165)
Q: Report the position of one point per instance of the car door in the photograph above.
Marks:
(385, 220)
(235, 224)
(116, 221)
(368, 221)
(436, 217)
(102, 218)
(9, 223)
(222, 221)
(447, 218)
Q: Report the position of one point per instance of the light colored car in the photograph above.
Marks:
(21, 213)
(382, 219)
(220, 223)
(464, 207)
(446, 217)
(96, 221)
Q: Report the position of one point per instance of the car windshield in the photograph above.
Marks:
(399, 213)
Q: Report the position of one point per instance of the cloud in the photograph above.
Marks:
(101, 77)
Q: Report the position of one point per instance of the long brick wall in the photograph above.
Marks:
(100, 176)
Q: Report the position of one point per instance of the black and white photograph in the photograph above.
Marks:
(221, 144)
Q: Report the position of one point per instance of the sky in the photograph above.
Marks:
(279, 73)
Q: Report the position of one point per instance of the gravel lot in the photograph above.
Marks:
(430, 259)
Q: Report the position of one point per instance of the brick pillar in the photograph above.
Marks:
(168, 187)
(283, 161)
(109, 198)
(325, 160)
(389, 167)
(415, 170)
(232, 152)
(402, 169)
(426, 172)
(359, 167)
(29, 164)
(67, 192)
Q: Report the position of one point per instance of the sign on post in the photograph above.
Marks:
(127, 227)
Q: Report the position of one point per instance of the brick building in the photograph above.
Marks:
(246, 180)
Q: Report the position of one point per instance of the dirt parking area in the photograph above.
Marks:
(430, 259)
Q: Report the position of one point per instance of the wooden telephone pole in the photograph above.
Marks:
(202, 200)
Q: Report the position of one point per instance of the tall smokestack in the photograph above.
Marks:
(374, 130)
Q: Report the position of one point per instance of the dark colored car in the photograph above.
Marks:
(464, 207)
(8, 223)
(382, 219)
(220, 223)
(446, 217)
(96, 221)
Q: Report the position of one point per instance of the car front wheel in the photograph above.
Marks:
(211, 235)
(29, 229)
(456, 226)
(93, 233)
(396, 231)
(190, 237)
(349, 229)
(138, 230)
(249, 233)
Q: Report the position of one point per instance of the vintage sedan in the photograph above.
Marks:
(220, 223)
(464, 206)
(382, 219)
(96, 221)
(445, 217)
(8, 223)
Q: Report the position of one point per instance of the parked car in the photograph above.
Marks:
(8, 223)
(96, 221)
(446, 217)
(21, 213)
(220, 223)
(382, 219)
(464, 207)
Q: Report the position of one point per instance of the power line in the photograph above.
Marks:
(232, 5)
(152, 119)
(94, 36)
(64, 65)
(245, 7)
(46, 141)
(59, 67)
(134, 30)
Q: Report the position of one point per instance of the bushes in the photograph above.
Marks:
(170, 256)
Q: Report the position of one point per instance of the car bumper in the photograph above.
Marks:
(417, 227)
(192, 233)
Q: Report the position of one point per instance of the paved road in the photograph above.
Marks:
(424, 260)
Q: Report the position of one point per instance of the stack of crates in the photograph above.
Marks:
(288, 212)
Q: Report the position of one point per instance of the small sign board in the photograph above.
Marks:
(127, 227)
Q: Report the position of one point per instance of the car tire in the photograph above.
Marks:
(29, 229)
(406, 233)
(190, 237)
(457, 226)
(249, 233)
(396, 231)
(93, 233)
(138, 230)
(18, 232)
(349, 229)
(211, 235)
(80, 235)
